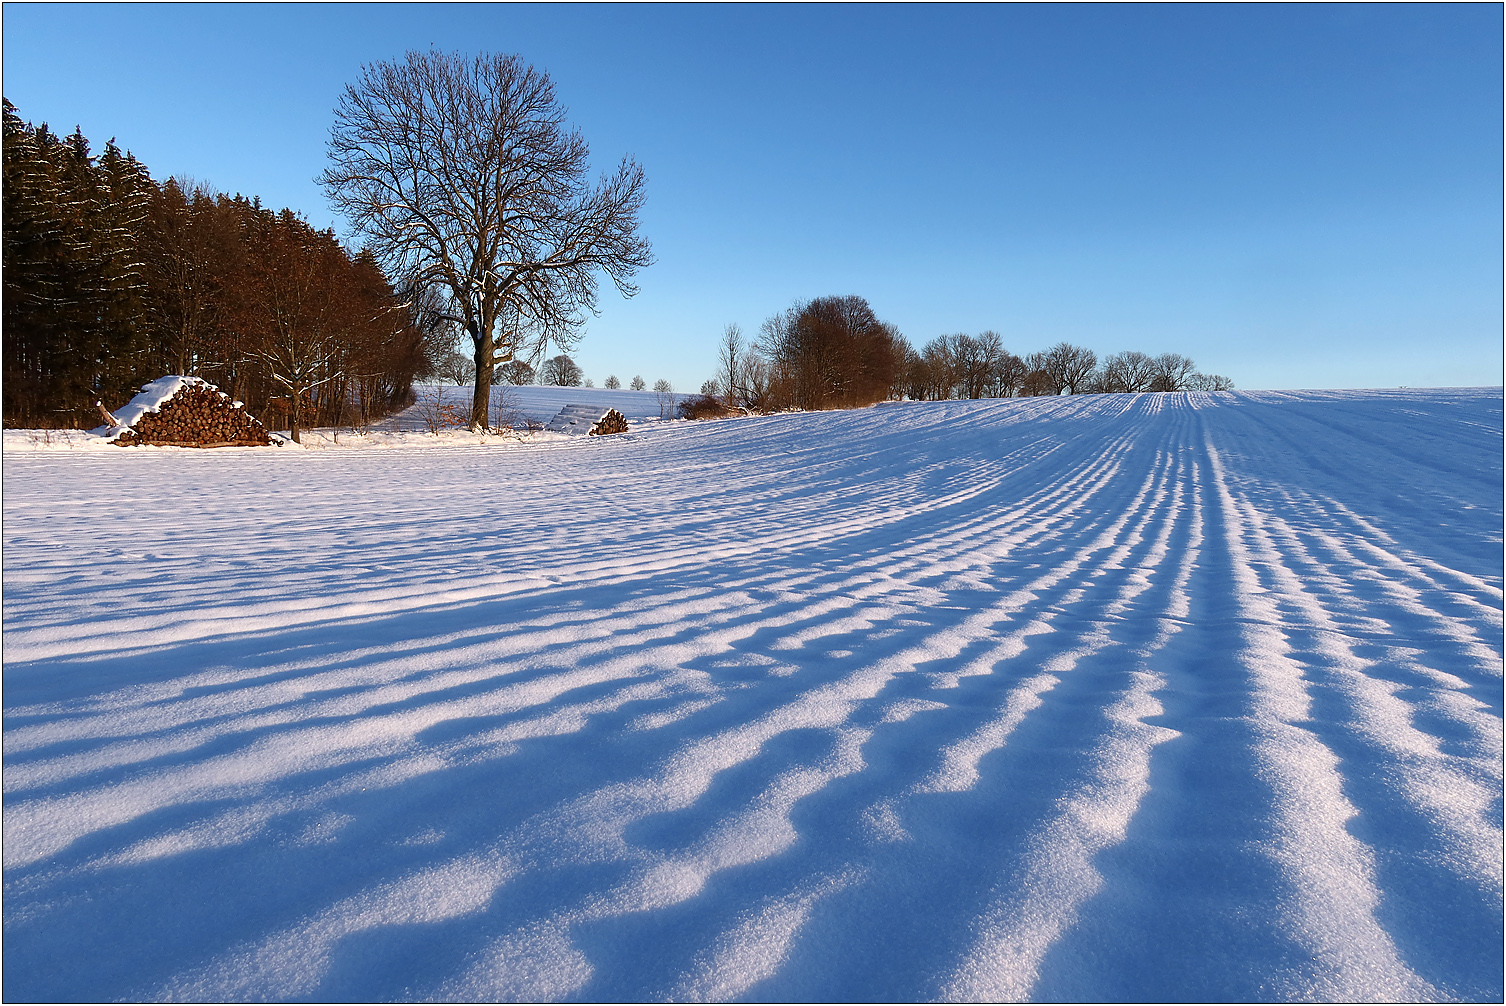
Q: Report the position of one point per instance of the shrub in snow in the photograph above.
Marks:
(703, 407)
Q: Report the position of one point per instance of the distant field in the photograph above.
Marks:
(541, 404)
(1139, 698)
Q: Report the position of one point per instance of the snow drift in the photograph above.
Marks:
(1158, 697)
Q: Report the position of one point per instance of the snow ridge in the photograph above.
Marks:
(1157, 697)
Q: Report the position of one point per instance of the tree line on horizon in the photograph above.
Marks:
(834, 352)
(560, 371)
(965, 366)
(112, 280)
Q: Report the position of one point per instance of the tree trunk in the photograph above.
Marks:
(481, 401)
(293, 417)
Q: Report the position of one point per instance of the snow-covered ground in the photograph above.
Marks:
(1157, 697)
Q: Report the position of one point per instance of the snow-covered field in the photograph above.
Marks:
(536, 403)
(1157, 697)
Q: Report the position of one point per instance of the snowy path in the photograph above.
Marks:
(1152, 697)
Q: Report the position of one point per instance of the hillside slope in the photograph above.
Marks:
(1157, 697)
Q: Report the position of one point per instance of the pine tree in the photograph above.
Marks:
(125, 193)
(73, 274)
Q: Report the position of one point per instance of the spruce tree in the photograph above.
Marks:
(125, 192)
(73, 274)
(34, 257)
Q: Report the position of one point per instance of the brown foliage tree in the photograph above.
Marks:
(194, 256)
(830, 353)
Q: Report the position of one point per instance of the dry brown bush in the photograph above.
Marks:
(703, 407)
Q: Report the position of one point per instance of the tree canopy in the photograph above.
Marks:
(829, 353)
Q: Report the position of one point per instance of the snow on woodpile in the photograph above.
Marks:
(611, 421)
(175, 411)
(591, 420)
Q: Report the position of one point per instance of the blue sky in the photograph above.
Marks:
(1293, 195)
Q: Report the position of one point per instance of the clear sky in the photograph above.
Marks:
(1296, 196)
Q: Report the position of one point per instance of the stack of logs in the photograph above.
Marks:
(612, 422)
(199, 415)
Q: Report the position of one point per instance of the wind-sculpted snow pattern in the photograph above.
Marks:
(1154, 697)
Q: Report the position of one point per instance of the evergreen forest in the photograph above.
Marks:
(112, 279)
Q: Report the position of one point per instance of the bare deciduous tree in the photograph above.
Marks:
(507, 413)
(561, 371)
(612, 382)
(965, 366)
(464, 172)
(756, 379)
(515, 372)
(1171, 372)
(456, 368)
(637, 384)
(664, 394)
(1038, 379)
(732, 356)
(830, 353)
(990, 356)
(1199, 381)
(296, 323)
(938, 368)
(1130, 371)
(1070, 366)
(191, 257)
(1009, 375)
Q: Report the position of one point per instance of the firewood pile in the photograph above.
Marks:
(195, 414)
(612, 422)
(592, 420)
